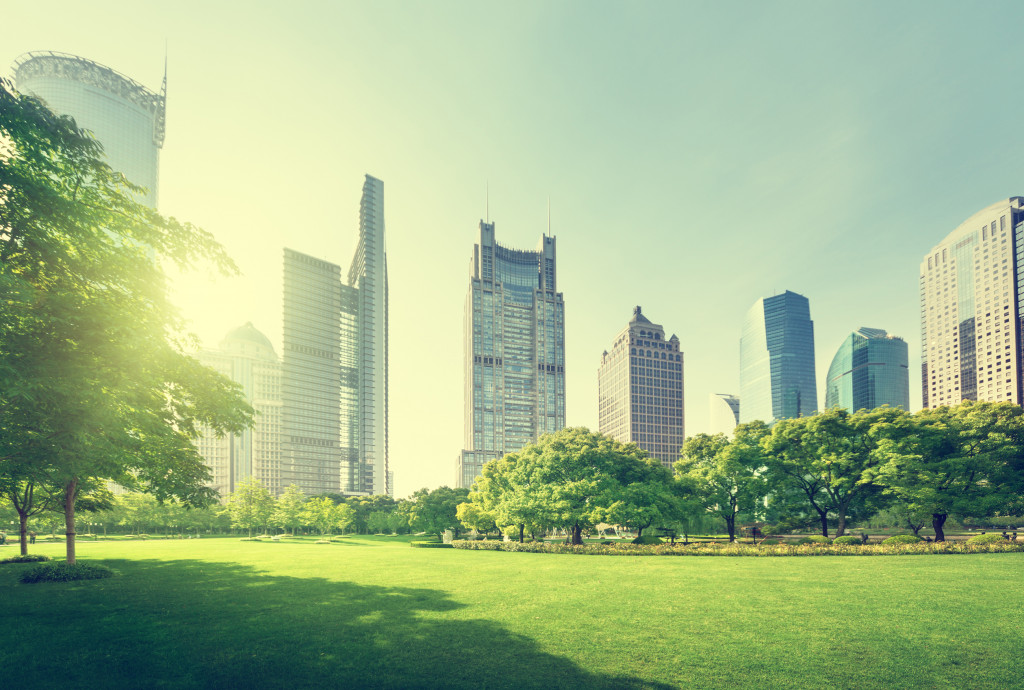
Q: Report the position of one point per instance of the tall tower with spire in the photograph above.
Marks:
(640, 389)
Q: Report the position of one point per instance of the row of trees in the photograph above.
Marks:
(831, 468)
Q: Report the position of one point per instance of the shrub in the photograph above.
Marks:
(436, 544)
(29, 558)
(770, 542)
(62, 571)
(814, 539)
(648, 540)
(848, 539)
(987, 539)
(902, 539)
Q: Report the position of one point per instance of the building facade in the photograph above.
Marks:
(869, 370)
(247, 357)
(126, 118)
(777, 378)
(640, 390)
(335, 365)
(972, 287)
(723, 413)
(514, 335)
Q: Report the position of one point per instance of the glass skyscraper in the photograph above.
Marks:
(723, 413)
(335, 365)
(869, 370)
(514, 351)
(126, 118)
(777, 379)
(972, 287)
(640, 389)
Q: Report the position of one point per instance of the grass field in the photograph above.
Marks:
(372, 612)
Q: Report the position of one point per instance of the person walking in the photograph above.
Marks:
(31, 537)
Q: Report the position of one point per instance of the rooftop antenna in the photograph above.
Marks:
(487, 201)
(549, 215)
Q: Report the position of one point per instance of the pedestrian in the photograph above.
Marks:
(3, 537)
(31, 537)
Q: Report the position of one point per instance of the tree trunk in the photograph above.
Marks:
(23, 521)
(938, 520)
(730, 525)
(577, 535)
(639, 532)
(841, 527)
(914, 528)
(824, 524)
(521, 528)
(69, 518)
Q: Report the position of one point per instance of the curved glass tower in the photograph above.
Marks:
(724, 413)
(869, 370)
(126, 118)
(777, 360)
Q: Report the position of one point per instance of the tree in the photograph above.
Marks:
(323, 514)
(963, 461)
(377, 522)
(725, 475)
(94, 380)
(288, 508)
(435, 511)
(250, 505)
(472, 516)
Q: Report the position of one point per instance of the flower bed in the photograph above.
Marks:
(744, 549)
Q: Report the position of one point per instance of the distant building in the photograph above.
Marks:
(777, 378)
(869, 370)
(247, 357)
(514, 351)
(972, 290)
(640, 389)
(126, 118)
(724, 413)
(335, 368)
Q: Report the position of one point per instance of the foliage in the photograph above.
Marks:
(95, 382)
(25, 558)
(848, 539)
(814, 539)
(472, 516)
(648, 540)
(287, 513)
(987, 539)
(436, 511)
(325, 515)
(62, 571)
(250, 505)
(902, 539)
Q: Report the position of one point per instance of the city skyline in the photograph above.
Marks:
(644, 152)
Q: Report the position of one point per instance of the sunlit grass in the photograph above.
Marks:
(372, 612)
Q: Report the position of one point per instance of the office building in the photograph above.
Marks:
(247, 357)
(514, 332)
(125, 117)
(335, 361)
(869, 370)
(971, 293)
(723, 413)
(777, 379)
(640, 389)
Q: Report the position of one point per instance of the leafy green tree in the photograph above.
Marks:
(398, 520)
(435, 511)
(288, 508)
(472, 516)
(94, 380)
(506, 495)
(650, 495)
(963, 461)
(324, 515)
(377, 522)
(250, 505)
(725, 476)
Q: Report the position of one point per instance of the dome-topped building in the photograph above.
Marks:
(246, 356)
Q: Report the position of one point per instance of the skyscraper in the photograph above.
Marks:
(127, 118)
(514, 351)
(640, 389)
(247, 357)
(869, 370)
(335, 417)
(723, 413)
(777, 378)
(972, 287)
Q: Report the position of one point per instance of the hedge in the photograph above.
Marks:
(28, 558)
(712, 549)
(61, 571)
(988, 539)
(903, 539)
(434, 544)
(848, 539)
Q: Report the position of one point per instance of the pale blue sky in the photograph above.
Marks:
(698, 156)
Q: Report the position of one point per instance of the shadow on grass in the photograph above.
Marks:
(202, 624)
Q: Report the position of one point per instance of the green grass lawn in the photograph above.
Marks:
(372, 612)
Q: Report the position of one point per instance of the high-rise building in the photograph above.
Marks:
(247, 357)
(723, 413)
(126, 118)
(869, 370)
(972, 287)
(514, 351)
(640, 389)
(777, 379)
(335, 417)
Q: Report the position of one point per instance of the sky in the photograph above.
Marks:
(697, 157)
